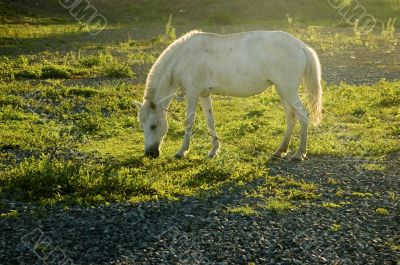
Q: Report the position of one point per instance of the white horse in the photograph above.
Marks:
(240, 65)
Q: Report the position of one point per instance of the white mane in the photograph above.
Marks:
(165, 60)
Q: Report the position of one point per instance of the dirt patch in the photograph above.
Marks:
(361, 66)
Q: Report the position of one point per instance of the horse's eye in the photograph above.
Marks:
(153, 127)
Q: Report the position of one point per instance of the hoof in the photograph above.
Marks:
(275, 158)
(212, 154)
(297, 158)
(179, 156)
(278, 155)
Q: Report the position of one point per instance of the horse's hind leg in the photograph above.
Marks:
(302, 115)
(282, 151)
(208, 112)
(189, 123)
(291, 101)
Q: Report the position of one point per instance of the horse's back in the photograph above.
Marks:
(243, 63)
(255, 46)
(278, 38)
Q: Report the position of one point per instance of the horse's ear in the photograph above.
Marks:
(137, 104)
(153, 106)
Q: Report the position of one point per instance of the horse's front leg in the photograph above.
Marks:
(208, 112)
(189, 123)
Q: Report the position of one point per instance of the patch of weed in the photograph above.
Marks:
(53, 71)
(333, 181)
(83, 91)
(13, 214)
(118, 70)
(91, 61)
(382, 211)
(242, 210)
(278, 205)
(393, 245)
(336, 227)
(363, 195)
(45, 72)
(331, 205)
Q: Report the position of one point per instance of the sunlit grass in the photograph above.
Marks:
(363, 195)
(105, 163)
(279, 206)
(336, 227)
(242, 210)
(27, 31)
(65, 139)
(13, 214)
(331, 205)
(382, 211)
(393, 245)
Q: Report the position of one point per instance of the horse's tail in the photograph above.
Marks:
(312, 85)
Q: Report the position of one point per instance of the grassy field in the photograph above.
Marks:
(68, 123)
(200, 12)
(73, 176)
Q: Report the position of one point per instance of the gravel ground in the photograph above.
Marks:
(200, 231)
(358, 66)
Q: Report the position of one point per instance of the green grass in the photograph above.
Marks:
(336, 227)
(220, 12)
(331, 205)
(278, 206)
(72, 65)
(362, 194)
(242, 210)
(68, 123)
(46, 72)
(382, 211)
(394, 246)
(13, 214)
(105, 163)
(47, 26)
(117, 70)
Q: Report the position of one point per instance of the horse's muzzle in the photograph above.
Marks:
(153, 151)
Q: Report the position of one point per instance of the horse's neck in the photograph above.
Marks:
(162, 87)
(164, 96)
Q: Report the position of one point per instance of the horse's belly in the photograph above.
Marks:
(240, 89)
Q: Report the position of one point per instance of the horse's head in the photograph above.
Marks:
(153, 120)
